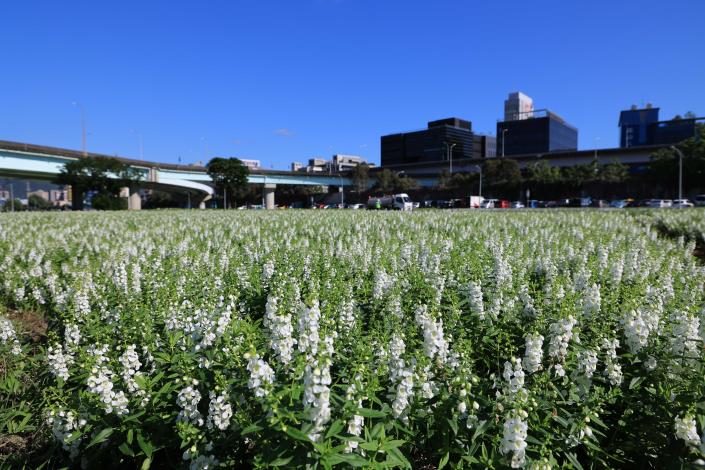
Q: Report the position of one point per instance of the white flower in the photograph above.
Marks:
(475, 301)
(687, 430)
(434, 342)
(514, 438)
(561, 334)
(533, 352)
(219, 411)
(59, 362)
(188, 399)
(100, 382)
(261, 375)
(514, 375)
(405, 392)
(280, 331)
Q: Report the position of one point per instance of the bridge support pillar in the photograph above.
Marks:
(269, 195)
(134, 203)
(202, 204)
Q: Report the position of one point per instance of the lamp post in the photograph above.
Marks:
(83, 126)
(342, 190)
(597, 139)
(680, 171)
(450, 157)
(479, 168)
(503, 132)
(139, 136)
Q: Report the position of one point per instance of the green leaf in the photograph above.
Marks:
(146, 446)
(635, 382)
(335, 428)
(102, 436)
(368, 413)
(574, 460)
(444, 461)
(297, 434)
(397, 454)
(280, 462)
(125, 449)
(146, 463)
(453, 423)
(393, 444)
(251, 428)
(353, 460)
(129, 436)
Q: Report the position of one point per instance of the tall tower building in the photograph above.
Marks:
(518, 106)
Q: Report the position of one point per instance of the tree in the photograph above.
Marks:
(229, 175)
(37, 202)
(361, 176)
(385, 181)
(613, 172)
(105, 175)
(541, 172)
(504, 171)
(663, 167)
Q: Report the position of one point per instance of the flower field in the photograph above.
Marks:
(188, 339)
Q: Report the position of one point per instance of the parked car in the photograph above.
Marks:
(599, 203)
(444, 204)
(659, 203)
(489, 204)
(518, 205)
(619, 203)
(700, 200)
(427, 203)
(356, 206)
(682, 203)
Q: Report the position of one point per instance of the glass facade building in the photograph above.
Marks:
(545, 132)
(642, 127)
(429, 145)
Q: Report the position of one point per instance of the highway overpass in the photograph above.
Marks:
(37, 162)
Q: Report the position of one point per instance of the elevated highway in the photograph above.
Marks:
(37, 162)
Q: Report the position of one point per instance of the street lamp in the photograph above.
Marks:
(680, 171)
(596, 140)
(479, 168)
(342, 190)
(503, 132)
(449, 148)
(139, 135)
(83, 126)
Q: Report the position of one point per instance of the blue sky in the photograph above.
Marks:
(285, 80)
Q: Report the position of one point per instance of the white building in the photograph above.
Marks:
(251, 164)
(518, 106)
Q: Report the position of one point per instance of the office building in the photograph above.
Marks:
(251, 164)
(518, 106)
(639, 127)
(429, 145)
(542, 132)
(337, 163)
(484, 146)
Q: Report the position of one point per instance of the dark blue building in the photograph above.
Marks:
(642, 127)
(541, 132)
(429, 145)
(634, 126)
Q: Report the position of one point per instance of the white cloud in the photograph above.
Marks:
(284, 132)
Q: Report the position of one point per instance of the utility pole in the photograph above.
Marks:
(680, 171)
(225, 198)
(480, 170)
(342, 190)
(139, 136)
(503, 132)
(83, 126)
(12, 197)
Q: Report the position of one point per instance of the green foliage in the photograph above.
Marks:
(361, 177)
(105, 175)
(389, 181)
(228, 174)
